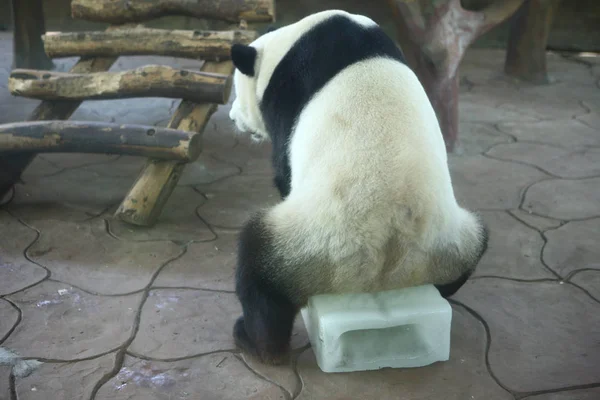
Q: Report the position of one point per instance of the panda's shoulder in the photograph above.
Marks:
(324, 49)
(356, 36)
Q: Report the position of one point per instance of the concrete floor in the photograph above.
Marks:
(116, 312)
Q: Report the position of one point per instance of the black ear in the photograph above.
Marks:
(244, 58)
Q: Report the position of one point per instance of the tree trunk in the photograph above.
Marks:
(29, 26)
(527, 40)
(443, 93)
(434, 35)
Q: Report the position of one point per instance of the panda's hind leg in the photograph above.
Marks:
(466, 262)
(265, 329)
(451, 288)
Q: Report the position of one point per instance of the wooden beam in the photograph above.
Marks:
(144, 202)
(95, 137)
(12, 166)
(205, 45)
(120, 11)
(147, 81)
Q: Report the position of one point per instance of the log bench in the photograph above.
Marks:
(168, 150)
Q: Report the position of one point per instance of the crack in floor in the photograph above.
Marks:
(62, 169)
(516, 394)
(287, 394)
(515, 216)
(12, 387)
(26, 256)
(573, 273)
(192, 288)
(113, 235)
(73, 360)
(507, 278)
(584, 290)
(94, 293)
(522, 396)
(540, 169)
(545, 243)
(17, 322)
(136, 325)
(118, 364)
(488, 344)
(523, 195)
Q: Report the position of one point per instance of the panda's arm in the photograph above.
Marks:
(283, 173)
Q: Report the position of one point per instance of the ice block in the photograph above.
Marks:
(398, 329)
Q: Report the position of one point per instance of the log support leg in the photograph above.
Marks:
(527, 40)
(153, 187)
(29, 26)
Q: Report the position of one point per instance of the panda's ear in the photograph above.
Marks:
(244, 58)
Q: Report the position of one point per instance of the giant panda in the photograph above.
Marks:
(360, 162)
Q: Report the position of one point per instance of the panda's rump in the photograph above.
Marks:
(323, 250)
(371, 192)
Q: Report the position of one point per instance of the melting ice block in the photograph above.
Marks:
(397, 328)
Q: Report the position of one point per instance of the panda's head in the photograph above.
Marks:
(254, 65)
(245, 110)
(256, 62)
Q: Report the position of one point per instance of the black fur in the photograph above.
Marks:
(318, 56)
(244, 58)
(451, 288)
(265, 329)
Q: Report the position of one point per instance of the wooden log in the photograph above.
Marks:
(205, 45)
(527, 41)
(434, 35)
(13, 165)
(95, 137)
(120, 11)
(29, 26)
(144, 202)
(147, 81)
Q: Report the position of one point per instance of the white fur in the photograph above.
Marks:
(369, 166)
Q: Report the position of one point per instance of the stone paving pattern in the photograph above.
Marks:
(119, 312)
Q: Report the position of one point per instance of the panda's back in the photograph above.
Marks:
(352, 116)
(306, 56)
(364, 145)
(371, 137)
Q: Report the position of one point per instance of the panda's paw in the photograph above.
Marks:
(240, 336)
(276, 359)
(243, 341)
